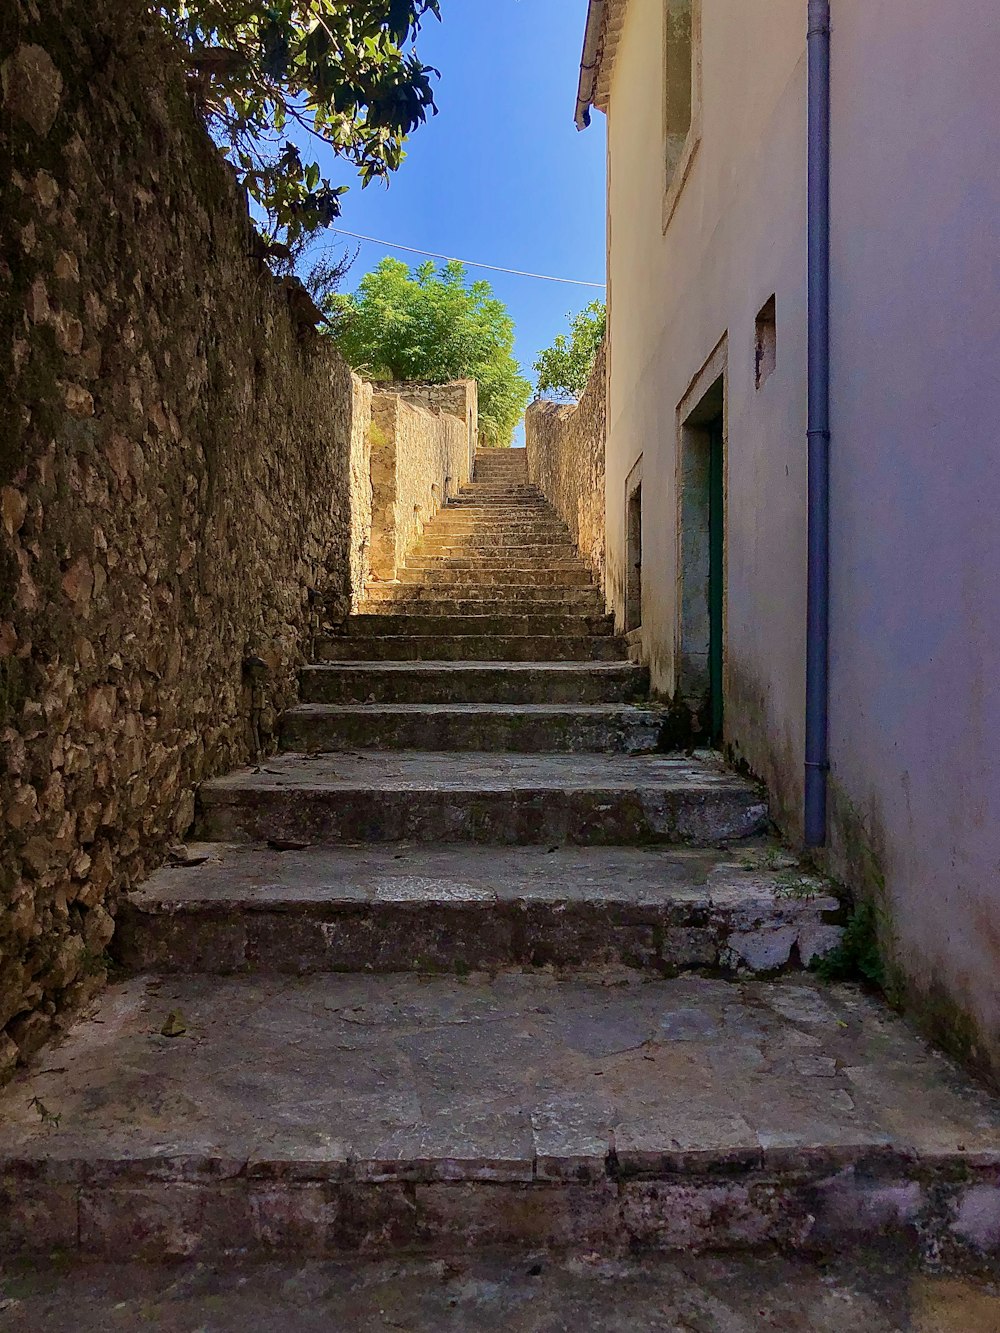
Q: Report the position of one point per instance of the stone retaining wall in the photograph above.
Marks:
(420, 455)
(565, 444)
(184, 485)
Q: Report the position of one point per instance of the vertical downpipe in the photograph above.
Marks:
(818, 577)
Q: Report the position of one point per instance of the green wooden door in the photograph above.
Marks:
(716, 576)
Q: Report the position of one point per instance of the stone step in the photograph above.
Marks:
(497, 500)
(355, 1115)
(502, 799)
(447, 543)
(467, 521)
(522, 577)
(507, 492)
(527, 501)
(500, 601)
(521, 728)
(462, 519)
(531, 560)
(444, 547)
(487, 572)
(492, 539)
(470, 648)
(450, 610)
(484, 537)
(474, 682)
(537, 518)
(460, 909)
(398, 622)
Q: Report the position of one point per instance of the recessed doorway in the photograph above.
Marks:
(702, 563)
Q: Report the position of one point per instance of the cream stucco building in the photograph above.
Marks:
(709, 306)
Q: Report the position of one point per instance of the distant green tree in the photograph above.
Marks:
(433, 324)
(564, 368)
(343, 70)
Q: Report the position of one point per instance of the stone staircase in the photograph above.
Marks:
(495, 578)
(472, 963)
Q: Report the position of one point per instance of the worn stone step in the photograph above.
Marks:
(522, 728)
(478, 538)
(510, 490)
(500, 600)
(464, 516)
(498, 565)
(398, 622)
(501, 493)
(470, 648)
(350, 1115)
(474, 682)
(492, 476)
(487, 548)
(455, 909)
(527, 551)
(497, 509)
(498, 503)
(526, 530)
(521, 577)
(504, 799)
(448, 609)
(465, 520)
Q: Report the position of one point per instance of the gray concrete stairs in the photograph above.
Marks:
(472, 962)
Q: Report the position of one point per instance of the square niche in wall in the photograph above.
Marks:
(766, 342)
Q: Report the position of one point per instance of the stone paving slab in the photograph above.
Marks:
(505, 799)
(869, 1293)
(319, 1115)
(473, 682)
(247, 908)
(522, 728)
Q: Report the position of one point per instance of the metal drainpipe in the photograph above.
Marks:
(818, 577)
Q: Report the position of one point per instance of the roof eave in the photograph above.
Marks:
(590, 63)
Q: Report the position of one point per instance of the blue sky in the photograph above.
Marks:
(501, 174)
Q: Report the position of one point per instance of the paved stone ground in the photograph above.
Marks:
(763, 1294)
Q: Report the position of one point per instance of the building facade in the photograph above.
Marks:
(707, 419)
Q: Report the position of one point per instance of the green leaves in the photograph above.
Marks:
(433, 324)
(564, 368)
(340, 69)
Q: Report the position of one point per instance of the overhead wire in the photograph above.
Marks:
(469, 263)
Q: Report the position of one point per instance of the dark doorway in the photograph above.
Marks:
(702, 608)
(633, 548)
(716, 575)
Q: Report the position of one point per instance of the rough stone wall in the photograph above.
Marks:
(178, 471)
(361, 494)
(419, 457)
(565, 444)
(458, 397)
